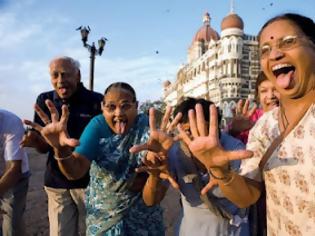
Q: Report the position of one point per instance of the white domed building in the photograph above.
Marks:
(222, 69)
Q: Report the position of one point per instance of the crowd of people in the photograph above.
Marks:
(109, 167)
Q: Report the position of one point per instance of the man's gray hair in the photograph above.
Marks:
(74, 63)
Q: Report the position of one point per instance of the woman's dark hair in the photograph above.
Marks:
(260, 78)
(122, 85)
(305, 24)
(190, 103)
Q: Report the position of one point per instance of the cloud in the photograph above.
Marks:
(24, 83)
(27, 43)
(30, 41)
(20, 84)
(13, 33)
(145, 74)
(31, 32)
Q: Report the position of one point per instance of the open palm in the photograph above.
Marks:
(55, 130)
(160, 141)
(241, 120)
(205, 144)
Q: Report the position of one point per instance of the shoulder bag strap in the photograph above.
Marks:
(277, 141)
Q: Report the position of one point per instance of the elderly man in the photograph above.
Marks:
(66, 209)
(14, 174)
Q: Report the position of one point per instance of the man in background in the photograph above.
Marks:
(66, 210)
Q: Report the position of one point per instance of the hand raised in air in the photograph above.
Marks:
(55, 130)
(241, 119)
(160, 140)
(204, 142)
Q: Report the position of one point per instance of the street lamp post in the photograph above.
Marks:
(92, 49)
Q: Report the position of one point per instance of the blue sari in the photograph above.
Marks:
(112, 209)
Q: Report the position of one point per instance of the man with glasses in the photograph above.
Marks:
(66, 209)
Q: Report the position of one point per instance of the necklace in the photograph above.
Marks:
(283, 118)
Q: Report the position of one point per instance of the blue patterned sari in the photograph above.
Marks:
(112, 209)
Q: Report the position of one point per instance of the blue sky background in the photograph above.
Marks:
(35, 31)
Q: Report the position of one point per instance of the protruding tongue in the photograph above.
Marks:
(120, 127)
(284, 79)
(63, 90)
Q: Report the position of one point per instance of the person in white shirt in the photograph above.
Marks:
(14, 172)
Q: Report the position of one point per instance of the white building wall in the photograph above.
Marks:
(218, 74)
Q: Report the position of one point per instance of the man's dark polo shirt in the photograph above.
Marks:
(83, 106)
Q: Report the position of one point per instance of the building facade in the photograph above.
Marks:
(222, 68)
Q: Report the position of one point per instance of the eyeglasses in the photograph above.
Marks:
(111, 107)
(282, 44)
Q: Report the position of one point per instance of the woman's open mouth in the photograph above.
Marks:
(285, 74)
(120, 125)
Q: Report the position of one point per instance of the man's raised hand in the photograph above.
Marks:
(55, 130)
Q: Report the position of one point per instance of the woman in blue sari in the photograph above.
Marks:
(114, 196)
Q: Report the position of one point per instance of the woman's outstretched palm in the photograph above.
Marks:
(205, 144)
(159, 141)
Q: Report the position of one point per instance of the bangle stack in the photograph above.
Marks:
(63, 158)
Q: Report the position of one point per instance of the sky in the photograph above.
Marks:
(35, 31)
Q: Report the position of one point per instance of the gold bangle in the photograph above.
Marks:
(230, 180)
(63, 158)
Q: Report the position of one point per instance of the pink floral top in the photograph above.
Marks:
(289, 174)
